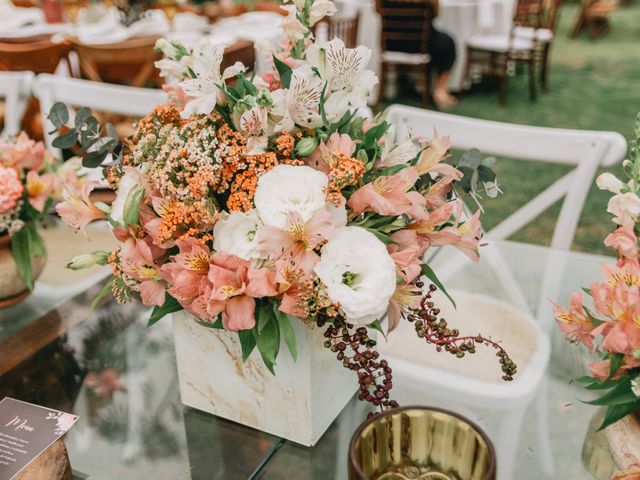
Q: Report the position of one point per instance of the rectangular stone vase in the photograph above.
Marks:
(298, 403)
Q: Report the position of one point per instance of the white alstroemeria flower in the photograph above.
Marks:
(288, 188)
(350, 83)
(625, 207)
(396, 153)
(300, 103)
(292, 27)
(253, 123)
(635, 386)
(204, 88)
(358, 273)
(320, 9)
(299, 4)
(610, 182)
(236, 233)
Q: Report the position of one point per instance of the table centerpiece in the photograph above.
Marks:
(609, 326)
(265, 213)
(28, 183)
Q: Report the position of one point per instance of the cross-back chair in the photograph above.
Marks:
(404, 39)
(130, 62)
(583, 150)
(40, 56)
(15, 89)
(344, 28)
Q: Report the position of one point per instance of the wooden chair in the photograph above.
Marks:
(269, 7)
(344, 28)
(40, 56)
(497, 55)
(130, 62)
(404, 39)
(594, 16)
(242, 51)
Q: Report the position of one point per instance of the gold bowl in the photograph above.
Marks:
(420, 443)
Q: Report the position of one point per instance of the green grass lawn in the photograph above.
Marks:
(593, 85)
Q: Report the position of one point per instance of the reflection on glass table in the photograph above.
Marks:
(120, 377)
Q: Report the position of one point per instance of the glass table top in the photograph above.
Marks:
(120, 377)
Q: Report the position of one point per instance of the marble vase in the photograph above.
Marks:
(298, 403)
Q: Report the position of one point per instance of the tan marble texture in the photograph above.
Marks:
(298, 403)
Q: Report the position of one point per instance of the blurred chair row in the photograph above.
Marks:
(129, 63)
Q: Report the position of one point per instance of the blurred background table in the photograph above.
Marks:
(120, 378)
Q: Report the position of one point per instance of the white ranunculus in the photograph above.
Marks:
(130, 180)
(236, 233)
(608, 181)
(358, 273)
(625, 207)
(288, 188)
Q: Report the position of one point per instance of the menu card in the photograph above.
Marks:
(27, 430)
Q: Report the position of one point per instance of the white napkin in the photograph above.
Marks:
(189, 22)
(486, 14)
(109, 29)
(12, 17)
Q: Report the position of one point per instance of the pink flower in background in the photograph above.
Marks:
(11, 189)
(623, 241)
(299, 239)
(77, 210)
(39, 188)
(23, 154)
(390, 196)
(234, 287)
(573, 323)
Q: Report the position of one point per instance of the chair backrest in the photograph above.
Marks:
(405, 25)
(118, 99)
(15, 88)
(242, 51)
(344, 28)
(129, 62)
(41, 56)
(585, 150)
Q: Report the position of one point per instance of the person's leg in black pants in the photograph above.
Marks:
(443, 55)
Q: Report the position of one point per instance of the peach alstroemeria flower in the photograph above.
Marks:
(234, 287)
(407, 260)
(290, 280)
(322, 157)
(299, 240)
(139, 261)
(390, 196)
(188, 270)
(633, 474)
(573, 323)
(78, 211)
(407, 297)
(623, 241)
(433, 154)
(39, 188)
(426, 233)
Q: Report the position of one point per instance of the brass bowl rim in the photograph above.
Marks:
(491, 470)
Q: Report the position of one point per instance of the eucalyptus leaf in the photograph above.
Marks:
(58, 115)
(65, 141)
(81, 116)
(94, 159)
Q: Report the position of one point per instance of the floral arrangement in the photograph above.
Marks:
(28, 184)
(610, 327)
(255, 201)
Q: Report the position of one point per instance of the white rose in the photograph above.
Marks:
(130, 180)
(609, 182)
(625, 207)
(287, 188)
(358, 273)
(236, 233)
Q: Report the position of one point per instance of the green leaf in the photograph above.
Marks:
(170, 305)
(65, 141)
(374, 134)
(618, 395)
(131, 214)
(431, 275)
(81, 116)
(36, 245)
(617, 412)
(386, 239)
(264, 316)
(268, 343)
(284, 71)
(247, 343)
(287, 331)
(377, 326)
(59, 114)
(94, 159)
(616, 362)
(20, 250)
(217, 325)
(106, 290)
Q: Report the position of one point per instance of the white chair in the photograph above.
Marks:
(108, 98)
(584, 150)
(15, 88)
